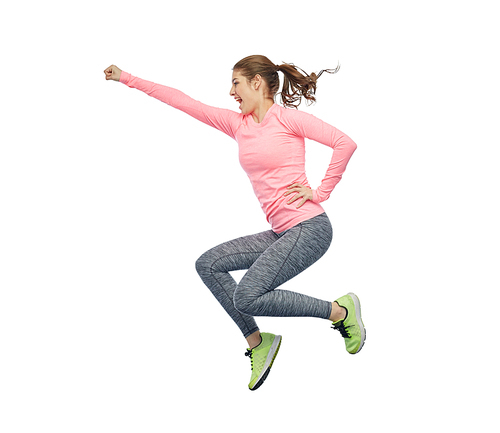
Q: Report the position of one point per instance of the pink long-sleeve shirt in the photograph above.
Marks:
(272, 152)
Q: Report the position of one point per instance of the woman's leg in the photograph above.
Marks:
(214, 267)
(293, 251)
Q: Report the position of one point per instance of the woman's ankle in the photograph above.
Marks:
(254, 340)
(338, 312)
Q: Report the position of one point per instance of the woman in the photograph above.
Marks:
(271, 151)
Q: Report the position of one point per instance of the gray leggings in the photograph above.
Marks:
(271, 260)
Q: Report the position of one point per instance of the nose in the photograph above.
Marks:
(231, 92)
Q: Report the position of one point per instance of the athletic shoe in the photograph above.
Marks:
(262, 357)
(351, 328)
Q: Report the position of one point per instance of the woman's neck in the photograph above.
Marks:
(260, 112)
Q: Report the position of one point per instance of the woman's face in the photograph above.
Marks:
(244, 93)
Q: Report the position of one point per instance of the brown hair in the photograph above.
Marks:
(296, 83)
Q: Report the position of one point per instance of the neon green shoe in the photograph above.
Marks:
(262, 358)
(351, 328)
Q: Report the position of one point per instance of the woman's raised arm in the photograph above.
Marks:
(226, 121)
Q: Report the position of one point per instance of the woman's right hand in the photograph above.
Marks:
(113, 73)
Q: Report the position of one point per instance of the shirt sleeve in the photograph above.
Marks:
(224, 120)
(309, 126)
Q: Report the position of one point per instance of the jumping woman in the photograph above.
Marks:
(271, 145)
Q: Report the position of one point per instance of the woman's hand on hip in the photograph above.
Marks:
(300, 191)
(113, 73)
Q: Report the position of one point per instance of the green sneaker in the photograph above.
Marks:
(262, 358)
(351, 328)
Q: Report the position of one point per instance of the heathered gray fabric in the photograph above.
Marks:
(271, 260)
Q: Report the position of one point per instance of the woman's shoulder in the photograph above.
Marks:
(291, 113)
(293, 118)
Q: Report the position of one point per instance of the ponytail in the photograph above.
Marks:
(296, 83)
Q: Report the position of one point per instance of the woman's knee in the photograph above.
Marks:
(244, 302)
(203, 264)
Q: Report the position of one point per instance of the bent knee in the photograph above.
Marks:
(244, 303)
(203, 264)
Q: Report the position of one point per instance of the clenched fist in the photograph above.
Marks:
(113, 73)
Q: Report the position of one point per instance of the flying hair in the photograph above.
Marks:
(297, 84)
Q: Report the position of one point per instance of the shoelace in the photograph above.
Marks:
(250, 354)
(342, 329)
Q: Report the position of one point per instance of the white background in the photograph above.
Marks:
(108, 197)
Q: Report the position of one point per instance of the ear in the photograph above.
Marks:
(257, 81)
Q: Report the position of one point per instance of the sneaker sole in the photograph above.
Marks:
(357, 308)
(271, 356)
